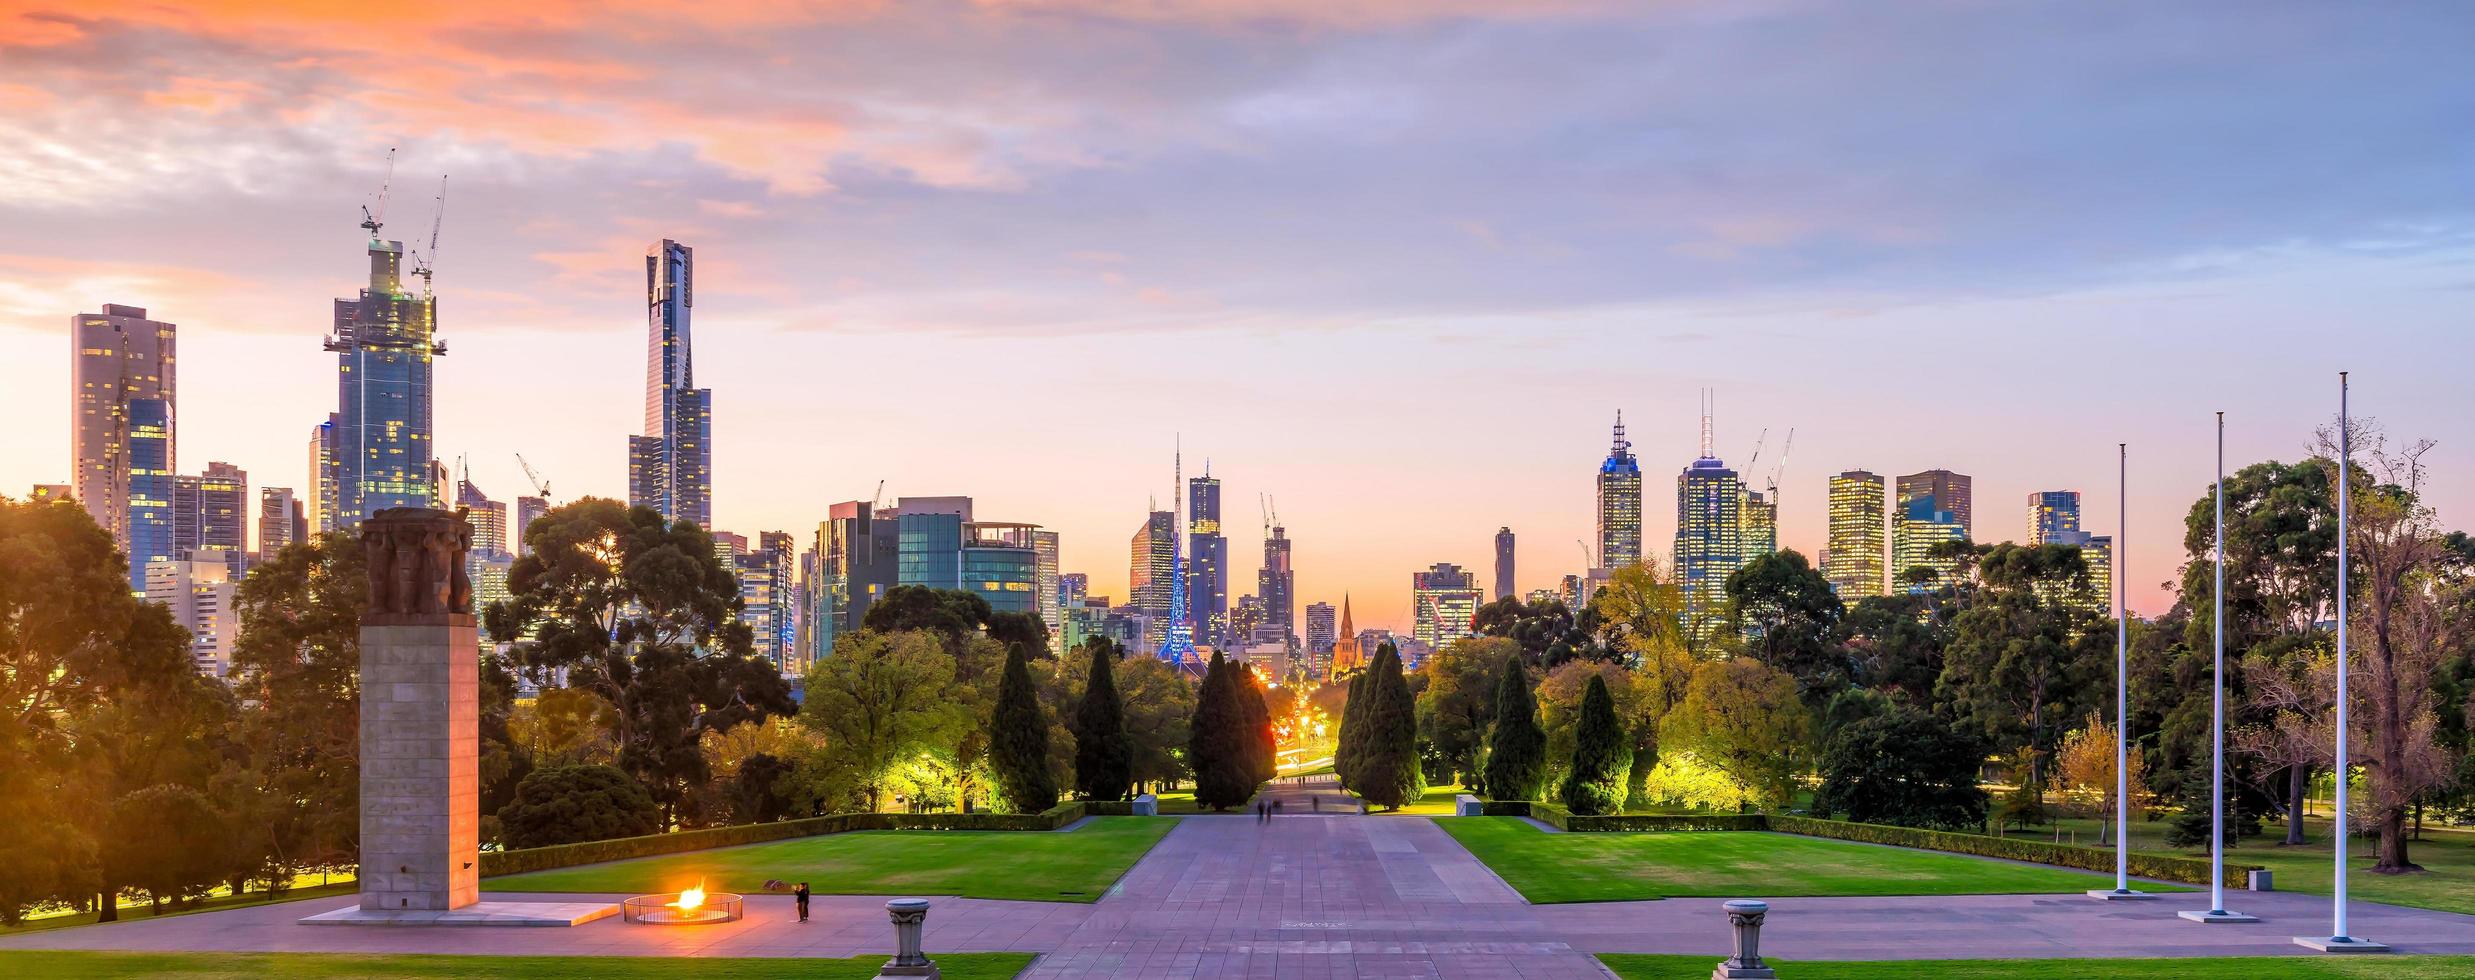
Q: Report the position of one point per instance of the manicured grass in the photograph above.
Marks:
(1056, 866)
(141, 910)
(251, 966)
(1437, 802)
(2301, 967)
(1606, 867)
(2448, 857)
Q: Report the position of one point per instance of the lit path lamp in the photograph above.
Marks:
(2122, 890)
(2217, 718)
(2337, 941)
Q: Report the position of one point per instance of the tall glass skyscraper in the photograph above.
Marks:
(1922, 525)
(1207, 567)
(1619, 504)
(1277, 583)
(1052, 608)
(2052, 514)
(857, 557)
(1760, 535)
(1709, 535)
(1447, 600)
(384, 342)
(1952, 493)
(1151, 565)
(121, 421)
(670, 467)
(211, 511)
(1853, 561)
(1503, 562)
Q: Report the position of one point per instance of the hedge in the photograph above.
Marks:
(495, 863)
(1108, 808)
(2167, 867)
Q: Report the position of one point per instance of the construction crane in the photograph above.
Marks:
(1588, 560)
(878, 498)
(425, 259)
(1757, 448)
(541, 487)
(373, 222)
(1790, 446)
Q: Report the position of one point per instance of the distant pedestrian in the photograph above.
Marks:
(1276, 808)
(1261, 812)
(1318, 800)
(801, 894)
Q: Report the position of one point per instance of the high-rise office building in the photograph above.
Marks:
(1709, 536)
(211, 510)
(281, 521)
(1207, 565)
(384, 341)
(200, 591)
(1320, 629)
(1446, 598)
(1760, 534)
(326, 468)
(857, 558)
(527, 508)
(1277, 583)
(1951, 494)
(1853, 560)
(670, 467)
(487, 517)
(766, 599)
(1000, 562)
(2052, 514)
(1151, 564)
(1073, 588)
(1052, 609)
(1922, 527)
(1619, 504)
(122, 420)
(1503, 562)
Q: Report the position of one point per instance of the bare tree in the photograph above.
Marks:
(2294, 696)
(2409, 614)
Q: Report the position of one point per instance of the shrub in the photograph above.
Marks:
(571, 804)
(1903, 767)
(1103, 752)
(2167, 867)
(1516, 748)
(1602, 755)
(1388, 765)
(1018, 740)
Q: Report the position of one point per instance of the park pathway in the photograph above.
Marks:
(1310, 896)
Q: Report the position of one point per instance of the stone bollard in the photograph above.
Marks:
(1746, 917)
(909, 915)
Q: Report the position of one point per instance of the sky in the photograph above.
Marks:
(1393, 265)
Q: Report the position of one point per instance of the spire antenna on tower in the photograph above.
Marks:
(1710, 401)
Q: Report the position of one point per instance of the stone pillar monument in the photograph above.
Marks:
(420, 716)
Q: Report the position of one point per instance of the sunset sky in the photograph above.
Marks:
(1395, 263)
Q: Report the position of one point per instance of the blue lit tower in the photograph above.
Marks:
(1619, 504)
(1179, 646)
(384, 341)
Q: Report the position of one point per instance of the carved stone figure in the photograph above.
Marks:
(416, 562)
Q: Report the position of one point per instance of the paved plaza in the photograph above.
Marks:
(1312, 896)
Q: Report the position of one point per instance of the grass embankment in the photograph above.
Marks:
(138, 911)
(2302, 967)
(254, 966)
(1604, 867)
(1074, 866)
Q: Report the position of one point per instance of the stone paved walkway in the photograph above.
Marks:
(1306, 896)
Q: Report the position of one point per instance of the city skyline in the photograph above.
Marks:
(1905, 306)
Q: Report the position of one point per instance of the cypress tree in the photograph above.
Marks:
(1103, 750)
(1601, 757)
(1353, 721)
(1388, 762)
(1262, 752)
(1018, 740)
(1216, 746)
(1517, 748)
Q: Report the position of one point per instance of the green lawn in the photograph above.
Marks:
(1605, 867)
(143, 910)
(252, 966)
(1437, 802)
(2448, 857)
(2302, 967)
(1072, 866)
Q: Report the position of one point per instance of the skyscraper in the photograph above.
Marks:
(1207, 570)
(211, 511)
(487, 517)
(670, 467)
(1760, 533)
(326, 467)
(1853, 561)
(1503, 562)
(765, 599)
(1277, 583)
(1447, 600)
(527, 508)
(1152, 562)
(200, 594)
(281, 522)
(1073, 588)
(1923, 525)
(1619, 504)
(1052, 609)
(858, 556)
(1950, 492)
(2052, 514)
(384, 341)
(121, 427)
(1709, 536)
(1319, 629)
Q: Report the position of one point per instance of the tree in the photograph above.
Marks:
(951, 613)
(1260, 748)
(1018, 740)
(1458, 704)
(1895, 644)
(2024, 657)
(566, 726)
(880, 701)
(640, 612)
(1352, 740)
(574, 804)
(1103, 752)
(1602, 756)
(1744, 718)
(1903, 767)
(1160, 704)
(1217, 744)
(2087, 766)
(755, 793)
(1516, 746)
(1388, 773)
(1545, 630)
(298, 660)
(1787, 612)
(166, 840)
(1024, 631)
(2291, 694)
(2411, 611)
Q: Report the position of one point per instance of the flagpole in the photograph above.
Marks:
(2122, 685)
(2217, 715)
(2338, 941)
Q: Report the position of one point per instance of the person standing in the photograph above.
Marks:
(801, 895)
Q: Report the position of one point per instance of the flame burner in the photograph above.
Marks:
(668, 910)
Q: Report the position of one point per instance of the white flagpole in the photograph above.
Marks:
(2338, 940)
(2122, 687)
(2217, 715)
